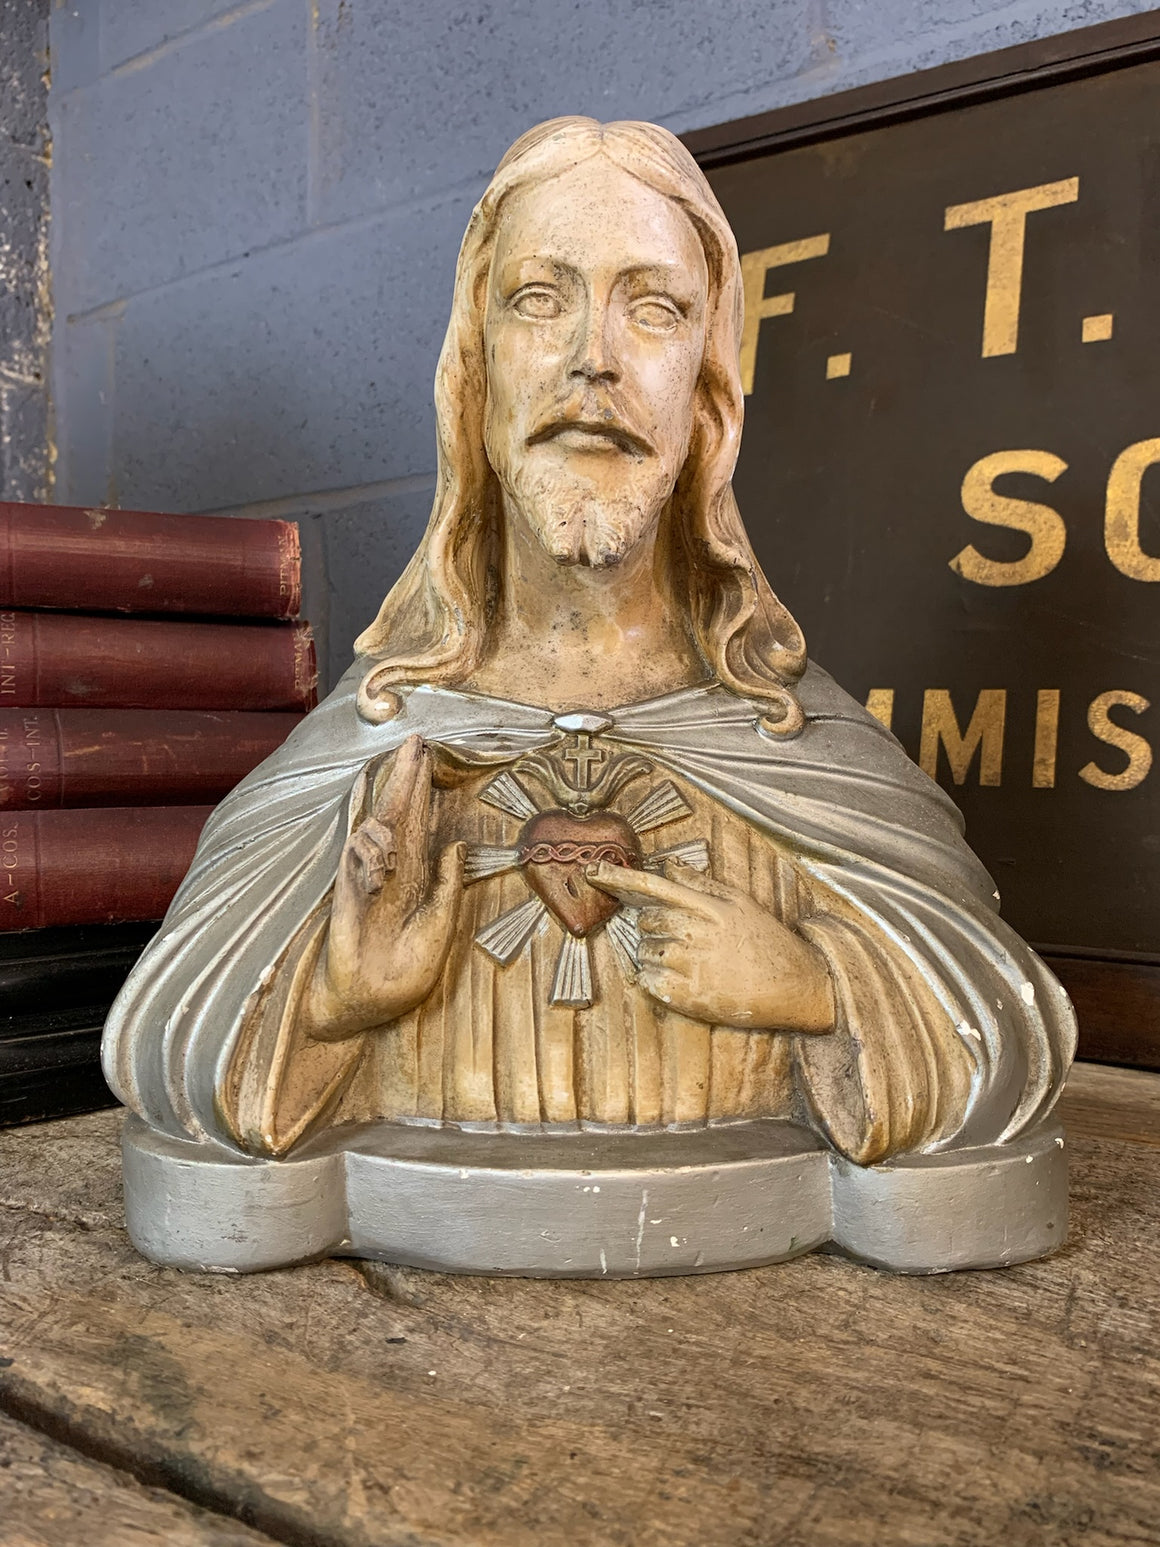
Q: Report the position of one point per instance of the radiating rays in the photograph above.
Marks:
(660, 806)
(507, 795)
(624, 937)
(485, 859)
(573, 981)
(694, 854)
(505, 937)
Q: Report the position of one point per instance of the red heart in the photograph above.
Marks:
(555, 849)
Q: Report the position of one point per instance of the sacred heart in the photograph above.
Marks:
(555, 849)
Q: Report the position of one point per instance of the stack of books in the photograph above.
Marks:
(147, 663)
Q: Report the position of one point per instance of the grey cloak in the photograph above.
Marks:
(860, 818)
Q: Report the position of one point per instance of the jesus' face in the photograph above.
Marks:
(594, 335)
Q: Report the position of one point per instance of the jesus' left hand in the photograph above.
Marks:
(711, 952)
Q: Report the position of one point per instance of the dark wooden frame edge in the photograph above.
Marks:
(1118, 1005)
(1117, 999)
(1026, 67)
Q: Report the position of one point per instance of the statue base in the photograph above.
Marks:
(587, 1204)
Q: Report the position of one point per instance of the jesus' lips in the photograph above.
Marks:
(592, 434)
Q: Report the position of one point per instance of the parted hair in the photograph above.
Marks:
(432, 626)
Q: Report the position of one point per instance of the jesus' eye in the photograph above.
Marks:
(655, 314)
(537, 302)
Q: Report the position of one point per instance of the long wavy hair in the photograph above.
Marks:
(432, 627)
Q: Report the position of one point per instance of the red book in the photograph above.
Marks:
(134, 561)
(67, 659)
(94, 867)
(107, 757)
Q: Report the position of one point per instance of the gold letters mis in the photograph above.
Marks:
(584, 871)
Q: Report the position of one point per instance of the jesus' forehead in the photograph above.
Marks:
(597, 226)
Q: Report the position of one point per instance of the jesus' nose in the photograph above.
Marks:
(591, 370)
(592, 359)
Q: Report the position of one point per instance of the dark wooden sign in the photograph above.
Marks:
(951, 461)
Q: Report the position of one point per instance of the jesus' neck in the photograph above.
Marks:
(569, 636)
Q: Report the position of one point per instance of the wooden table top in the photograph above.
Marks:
(804, 1405)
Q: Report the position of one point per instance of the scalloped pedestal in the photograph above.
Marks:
(589, 1204)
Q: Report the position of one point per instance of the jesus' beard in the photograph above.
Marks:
(579, 523)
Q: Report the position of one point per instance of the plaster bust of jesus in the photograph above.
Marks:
(582, 850)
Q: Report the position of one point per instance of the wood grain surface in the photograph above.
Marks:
(809, 1404)
(52, 1497)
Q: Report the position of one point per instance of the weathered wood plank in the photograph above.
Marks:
(814, 1403)
(1106, 1103)
(52, 1497)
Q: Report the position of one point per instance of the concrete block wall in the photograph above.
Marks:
(25, 294)
(257, 207)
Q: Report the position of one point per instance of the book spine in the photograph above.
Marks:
(94, 867)
(108, 757)
(136, 561)
(59, 660)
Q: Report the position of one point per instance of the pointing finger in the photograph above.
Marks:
(641, 887)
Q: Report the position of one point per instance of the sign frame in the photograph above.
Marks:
(1117, 997)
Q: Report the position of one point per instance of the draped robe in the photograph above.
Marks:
(949, 1031)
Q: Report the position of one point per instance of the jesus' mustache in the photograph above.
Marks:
(601, 423)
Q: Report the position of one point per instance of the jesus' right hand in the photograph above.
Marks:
(390, 926)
